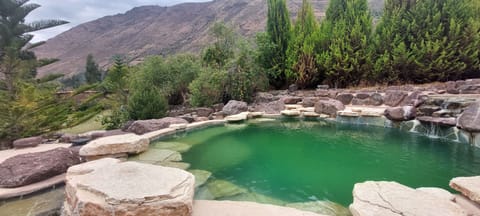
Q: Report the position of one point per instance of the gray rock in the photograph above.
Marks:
(363, 95)
(470, 119)
(345, 98)
(218, 107)
(322, 93)
(274, 107)
(293, 88)
(405, 113)
(27, 142)
(394, 97)
(375, 99)
(309, 101)
(329, 107)
(235, 107)
(428, 110)
(292, 100)
(470, 89)
(451, 87)
(204, 112)
(30, 168)
(145, 126)
(263, 97)
(438, 120)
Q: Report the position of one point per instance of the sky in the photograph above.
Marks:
(81, 11)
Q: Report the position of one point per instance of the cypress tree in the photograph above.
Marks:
(345, 37)
(92, 72)
(302, 68)
(273, 44)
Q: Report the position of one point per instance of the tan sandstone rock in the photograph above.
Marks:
(114, 145)
(110, 187)
(394, 199)
(468, 186)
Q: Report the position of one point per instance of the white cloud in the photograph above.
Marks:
(80, 11)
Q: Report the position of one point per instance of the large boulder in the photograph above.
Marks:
(394, 97)
(394, 199)
(329, 107)
(468, 186)
(109, 187)
(115, 145)
(470, 119)
(292, 100)
(30, 168)
(234, 107)
(405, 113)
(27, 142)
(274, 107)
(145, 126)
(345, 98)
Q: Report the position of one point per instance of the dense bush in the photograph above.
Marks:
(147, 102)
(208, 88)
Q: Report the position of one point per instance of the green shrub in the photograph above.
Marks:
(208, 88)
(146, 102)
(116, 119)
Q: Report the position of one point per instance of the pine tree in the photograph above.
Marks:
(92, 71)
(14, 37)
(301, 63)
(273, 44)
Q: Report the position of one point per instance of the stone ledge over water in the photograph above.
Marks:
(110, 187)
(394, 199)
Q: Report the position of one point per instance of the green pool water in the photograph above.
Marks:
(308, 161)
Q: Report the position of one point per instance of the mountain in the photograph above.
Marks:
(155, 30)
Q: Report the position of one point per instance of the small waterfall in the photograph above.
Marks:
(434, 131)
(416, 124)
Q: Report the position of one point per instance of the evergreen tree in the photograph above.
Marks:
(301, 64)
(14, 37)
(273, 44)
(394, 60)
(92, 71)
(428, 40)
(345, 39)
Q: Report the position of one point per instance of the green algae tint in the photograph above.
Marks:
(304, 161)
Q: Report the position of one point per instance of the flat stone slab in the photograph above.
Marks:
(237, 118)
(110, 187)
(468, 186)
(127, 143)
(293, 107)
(158, 155)
(311, 114)
(174, 146)
(6, 193)
(291, 113)
(201, 176)
(222, 188)
(229, 208)
(393, 199)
